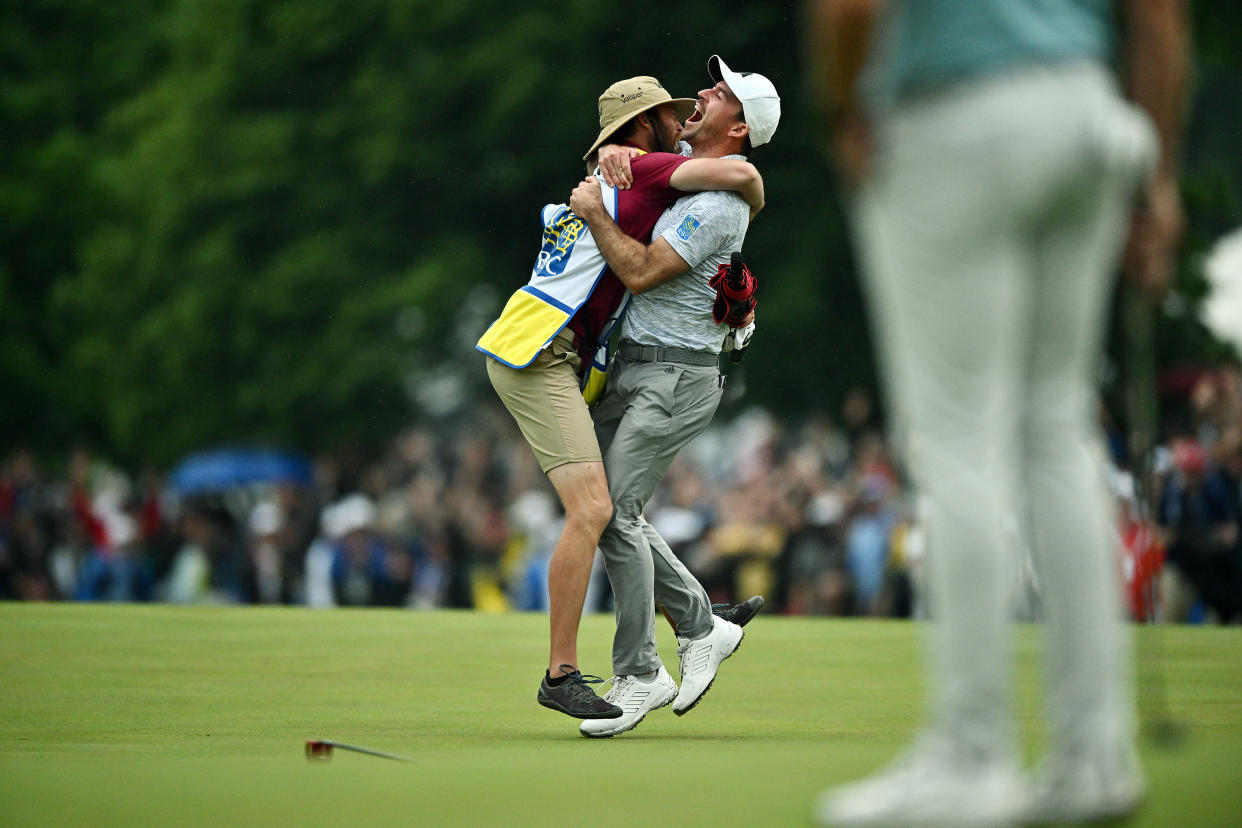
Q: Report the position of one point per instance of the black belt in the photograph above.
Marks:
(633, 352)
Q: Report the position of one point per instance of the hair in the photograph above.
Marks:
(621, 133)
(630, 127)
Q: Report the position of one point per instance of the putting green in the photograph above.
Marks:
(152, 715)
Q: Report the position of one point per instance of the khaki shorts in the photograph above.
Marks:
(545, 400)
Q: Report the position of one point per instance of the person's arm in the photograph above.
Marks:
(699, 174)
(639, 266)
(693, 176)
(838, 36)
(1155, 65)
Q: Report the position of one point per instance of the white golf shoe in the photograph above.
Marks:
(927, 787)
(701, 658)
(636, 698)
(1085, 788)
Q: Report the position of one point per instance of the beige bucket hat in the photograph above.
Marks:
(625, 99)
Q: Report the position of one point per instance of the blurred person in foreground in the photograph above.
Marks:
(992, 166)
(549, 347)
(664, 392)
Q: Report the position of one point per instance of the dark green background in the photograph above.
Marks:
(288, 222)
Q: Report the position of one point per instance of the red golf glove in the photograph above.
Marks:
(735, 292)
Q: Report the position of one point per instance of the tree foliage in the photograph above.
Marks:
(242, 220)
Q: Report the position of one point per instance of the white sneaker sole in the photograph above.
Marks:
(608, 734)
(716, 672)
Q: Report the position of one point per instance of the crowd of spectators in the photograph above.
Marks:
(1199, 510)
(814, 515)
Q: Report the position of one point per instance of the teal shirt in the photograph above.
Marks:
(923, 45)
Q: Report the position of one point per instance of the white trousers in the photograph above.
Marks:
(990, 230)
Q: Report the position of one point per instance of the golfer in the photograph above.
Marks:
(663, 392)
(994, 164)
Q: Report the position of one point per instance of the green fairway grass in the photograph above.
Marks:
(153, 715)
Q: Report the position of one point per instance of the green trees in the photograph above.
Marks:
(242, 220)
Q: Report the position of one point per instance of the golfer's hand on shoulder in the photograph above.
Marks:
(1156, 230)
(587, 199)
(852, 147)
(614, 165)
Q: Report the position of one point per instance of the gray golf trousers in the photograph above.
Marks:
(990, 229)
(649, 412)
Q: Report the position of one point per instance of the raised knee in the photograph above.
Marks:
(601, 512)
(592, 512)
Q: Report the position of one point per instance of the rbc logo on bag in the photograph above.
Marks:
(560, 234)
(687, 227)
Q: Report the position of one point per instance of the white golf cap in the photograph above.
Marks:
(760, 104)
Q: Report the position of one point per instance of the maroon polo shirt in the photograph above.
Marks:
(638, 209)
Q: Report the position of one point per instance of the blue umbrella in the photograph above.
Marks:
(225, 469)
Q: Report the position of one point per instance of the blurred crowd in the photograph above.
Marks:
(814, 515)
(1198, 504)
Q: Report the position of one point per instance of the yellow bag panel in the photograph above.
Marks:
(593, 388)
(525, 325)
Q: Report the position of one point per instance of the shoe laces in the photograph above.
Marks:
(683, 647)
(619, 686)
(581, 680)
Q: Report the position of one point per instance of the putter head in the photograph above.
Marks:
(317, 750)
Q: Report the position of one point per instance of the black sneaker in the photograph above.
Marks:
(739, 613)
(574, 697)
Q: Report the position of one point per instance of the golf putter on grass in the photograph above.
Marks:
(322, 749)
(1140, 365)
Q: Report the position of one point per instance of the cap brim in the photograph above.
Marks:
(720, 71)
